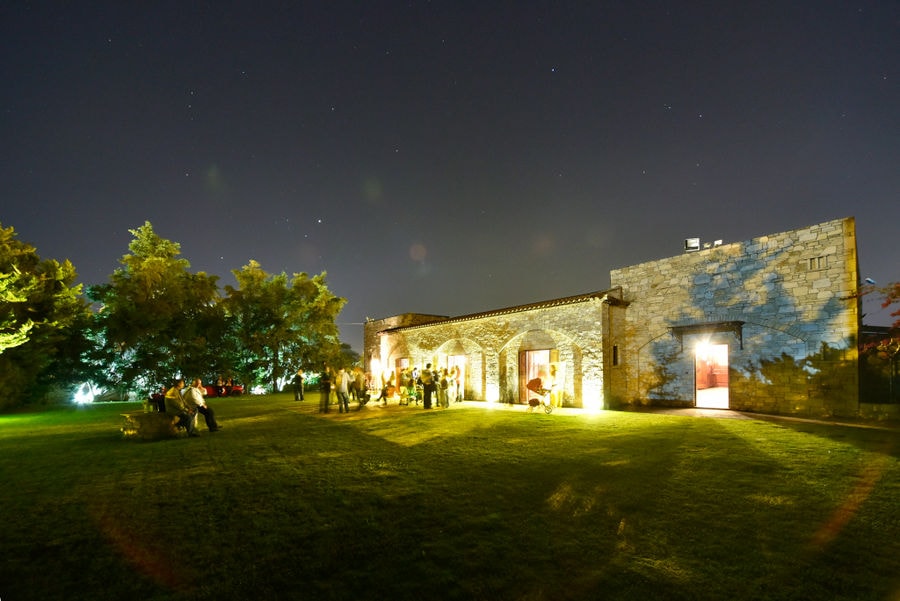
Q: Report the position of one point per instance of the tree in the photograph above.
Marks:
(280, 324)
(892, 297)
(156, 319)
(41, 311)
(12, 332)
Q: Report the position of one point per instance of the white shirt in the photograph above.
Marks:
(195, 394)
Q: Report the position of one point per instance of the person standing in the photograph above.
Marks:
(197, 395)
(342, 382)
(298, 385)
(325, 390)
(360, 382)
(457, 384)
(428, 386)
(443, 390)
(352, 385)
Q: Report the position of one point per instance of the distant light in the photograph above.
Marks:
(691, 244)
(870, 281)
(84, 395)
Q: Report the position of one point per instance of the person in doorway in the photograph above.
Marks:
(443, 390)
(197, 396)
(457, 384)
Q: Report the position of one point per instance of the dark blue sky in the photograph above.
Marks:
(446, 157)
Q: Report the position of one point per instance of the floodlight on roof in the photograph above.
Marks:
(691, 245)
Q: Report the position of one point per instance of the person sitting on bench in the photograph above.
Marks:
(179, 410)
(196, 395)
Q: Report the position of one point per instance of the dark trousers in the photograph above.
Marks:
(210, 416)
(429, 390)
(384, 395)
(186, 421)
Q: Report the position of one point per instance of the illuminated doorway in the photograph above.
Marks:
(711, 376)
(543, 364)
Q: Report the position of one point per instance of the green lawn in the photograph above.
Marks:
(466, 503)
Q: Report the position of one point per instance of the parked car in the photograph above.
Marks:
(233, 389)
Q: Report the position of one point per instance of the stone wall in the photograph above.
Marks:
(786, 304)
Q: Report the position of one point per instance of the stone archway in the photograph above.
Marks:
(467, 358)
(548, 353)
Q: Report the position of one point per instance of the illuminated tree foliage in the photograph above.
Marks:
(156, 320)
(12, 334)
(41, 318)
(891, 298)
(281, 323)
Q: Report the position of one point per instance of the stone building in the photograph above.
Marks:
(767, 325)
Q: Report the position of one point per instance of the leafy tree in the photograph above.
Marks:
(348, 357)
(156, 318)
(41, 312)
(12, 332)
(892, 297)
(280, 324)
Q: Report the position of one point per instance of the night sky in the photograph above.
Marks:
(446, 157)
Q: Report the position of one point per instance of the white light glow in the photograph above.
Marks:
(592, 397)
(702, 350)
(84, 394)
(375, 367)
(715, 353)
(493, 393)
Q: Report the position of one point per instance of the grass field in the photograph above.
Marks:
(465, 503)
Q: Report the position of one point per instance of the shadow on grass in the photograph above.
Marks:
(883, 439)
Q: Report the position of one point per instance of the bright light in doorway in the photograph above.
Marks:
(592, 397)
(702, 350)
(714, 353)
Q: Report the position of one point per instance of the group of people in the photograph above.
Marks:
(183, 406)
(443, 384)
(342, 385)
(225, 387)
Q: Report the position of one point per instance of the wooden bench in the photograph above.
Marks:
(148, 426)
